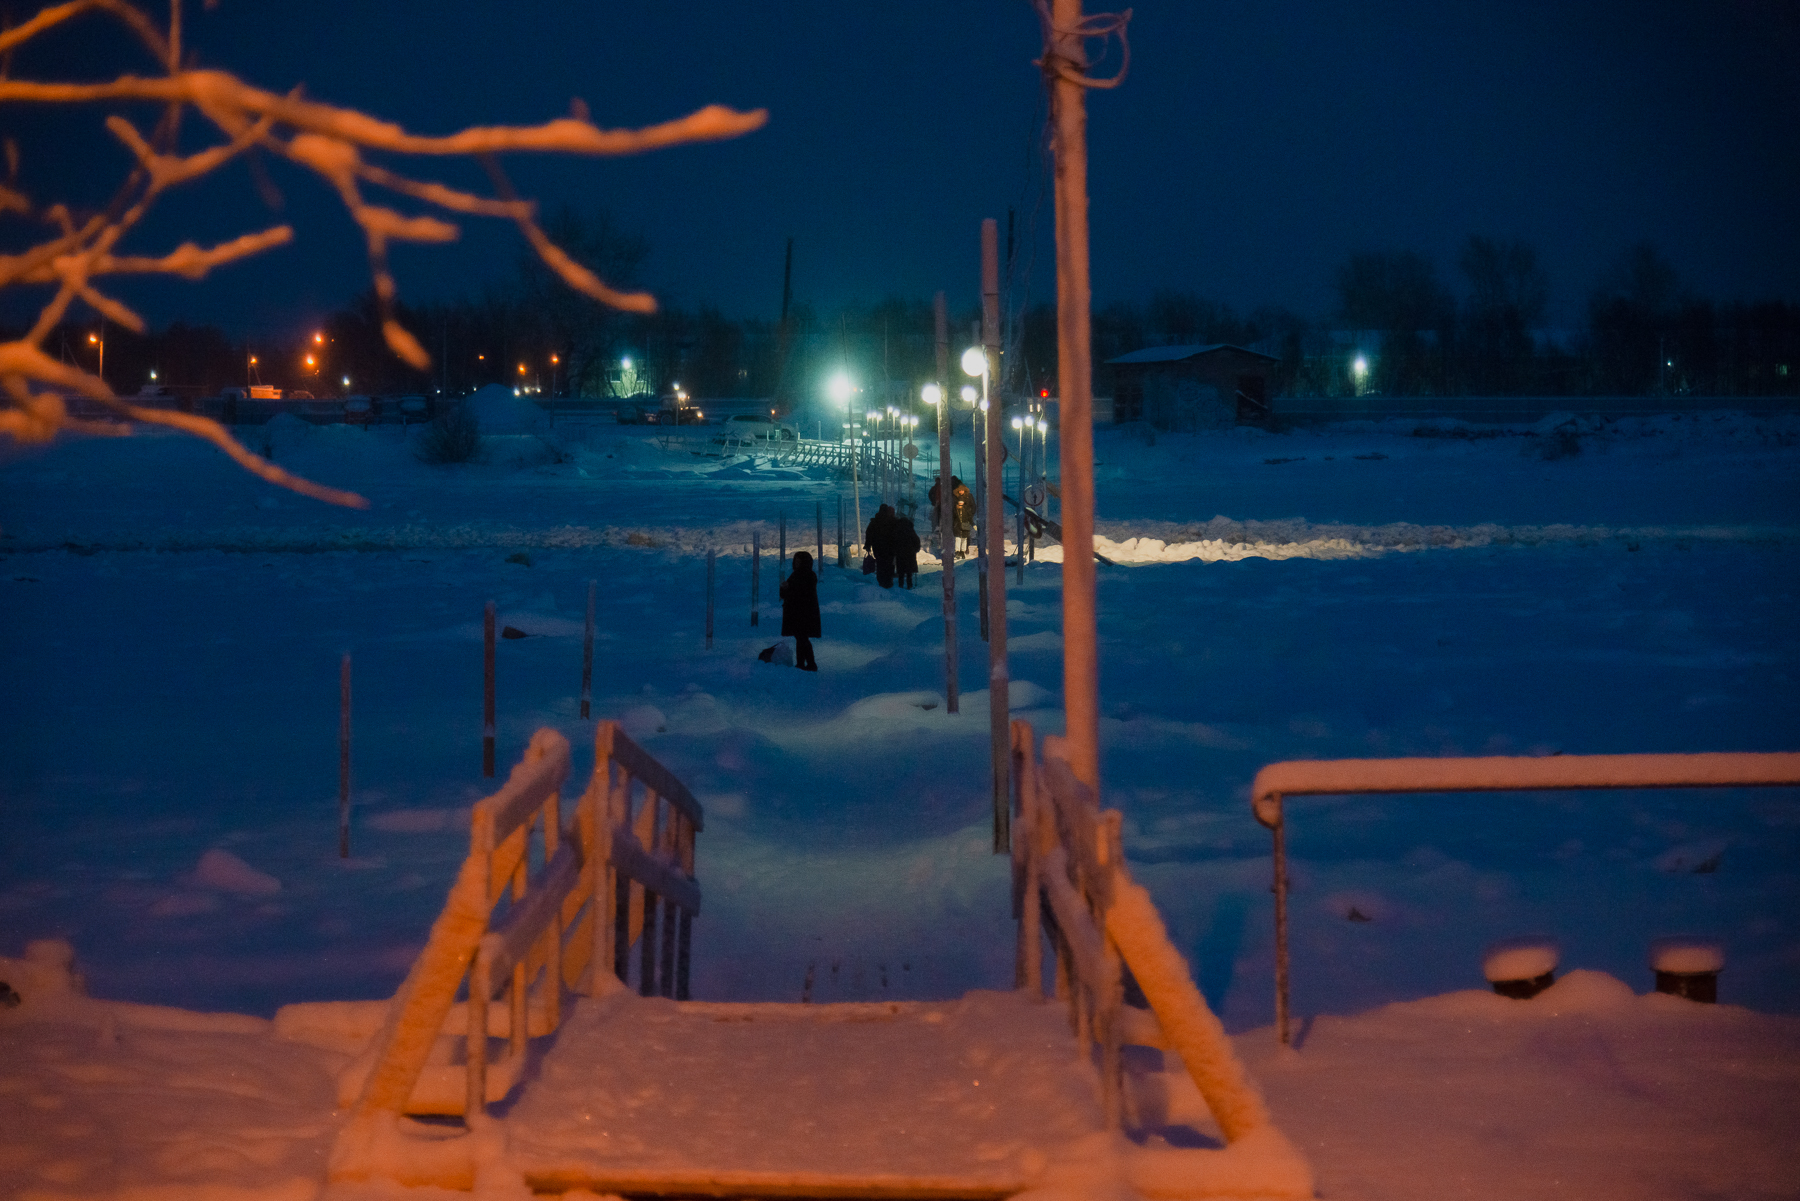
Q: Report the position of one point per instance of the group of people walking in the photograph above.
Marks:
(962, 508)
(894, 544)
(890, 540)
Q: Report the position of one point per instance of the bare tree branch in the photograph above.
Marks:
(325, 139)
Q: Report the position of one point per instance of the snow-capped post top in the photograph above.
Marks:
(1520, 959)
(1686, 956)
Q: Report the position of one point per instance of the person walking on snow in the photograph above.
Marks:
(800, 610)
(882, 540)
(906, 550)
(963, 514)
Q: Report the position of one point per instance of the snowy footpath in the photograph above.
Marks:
(169, 778)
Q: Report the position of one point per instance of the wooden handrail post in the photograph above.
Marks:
(587, 654)
(487, 691)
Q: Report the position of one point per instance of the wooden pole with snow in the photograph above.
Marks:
(711, 572)
(999, 729)
(344, 759)
(587, 655)
(1065, 63)
(487, 691)
(946, 504)
(755, 575)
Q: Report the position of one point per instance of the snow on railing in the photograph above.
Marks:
(1340, 777)
(599, 890)
(1072, 890)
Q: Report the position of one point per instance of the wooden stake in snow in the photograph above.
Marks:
(587, 655)
(344, 759)
(946, 505)
(755, 576)
(487, 691)
(1000, 732)
(710, 573)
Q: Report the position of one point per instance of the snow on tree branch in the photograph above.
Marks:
(329, 141)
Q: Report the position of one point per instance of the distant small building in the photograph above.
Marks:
(1192, 387)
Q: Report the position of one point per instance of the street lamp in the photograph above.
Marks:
(97, 340)
(1360, 369)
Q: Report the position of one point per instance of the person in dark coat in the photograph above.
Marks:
(906, 551)
(936, 493)
(800, 610)
(963, 515)
(882, 539)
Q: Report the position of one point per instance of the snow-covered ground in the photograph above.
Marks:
(175, 627)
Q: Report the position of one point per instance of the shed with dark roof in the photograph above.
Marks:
(1192, 387)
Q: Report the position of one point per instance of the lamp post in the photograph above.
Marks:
(843, 391)
(97, 340)
(974, 362)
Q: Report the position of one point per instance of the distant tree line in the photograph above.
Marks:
(1644, 334)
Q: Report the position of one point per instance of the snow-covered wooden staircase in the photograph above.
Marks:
(647, 1093)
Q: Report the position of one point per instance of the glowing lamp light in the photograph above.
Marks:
(970, 393)
(319, 339)
(1361, 366)
(841, 389)
(346, 381)
(974, 362)
(93, 340)
(1018, 423)
(1043, 426)
(521, 369)
(984, 406)
(931, 394)
(153, 374)
(625, 363)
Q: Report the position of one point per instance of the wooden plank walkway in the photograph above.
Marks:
(956, 1099)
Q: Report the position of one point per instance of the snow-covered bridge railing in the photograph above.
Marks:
(648, 848)
(1341, 777)
(1071, 889)
(598, 891)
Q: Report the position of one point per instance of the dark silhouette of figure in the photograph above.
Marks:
(934, 496)
(800, 610)
(882, 539)
(964, 514)
(906, 551)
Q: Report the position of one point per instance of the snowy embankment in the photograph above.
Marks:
(1584, 1091)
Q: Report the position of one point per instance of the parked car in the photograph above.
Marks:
(635, 414)
(760, 426)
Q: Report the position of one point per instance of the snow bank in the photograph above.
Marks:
(220, 869)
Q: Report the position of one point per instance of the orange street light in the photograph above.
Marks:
(97, 340)
(319, 339)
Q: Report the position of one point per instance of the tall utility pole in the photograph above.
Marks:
(1065, 64)
(946, 503)
(994, 519)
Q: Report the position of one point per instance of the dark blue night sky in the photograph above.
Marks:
(1253, 148)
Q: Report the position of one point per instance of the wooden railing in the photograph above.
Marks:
(1073, 893)
(645, 820)
(602, 885)
(1496, 773)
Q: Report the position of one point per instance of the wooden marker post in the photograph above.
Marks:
(781, 567)
(1065, 62)
(755, 576)
(819, 519)
(710, 573)
(946, 505)
(999, 703)
(487, 691)
(587, 654)
(344, 759)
